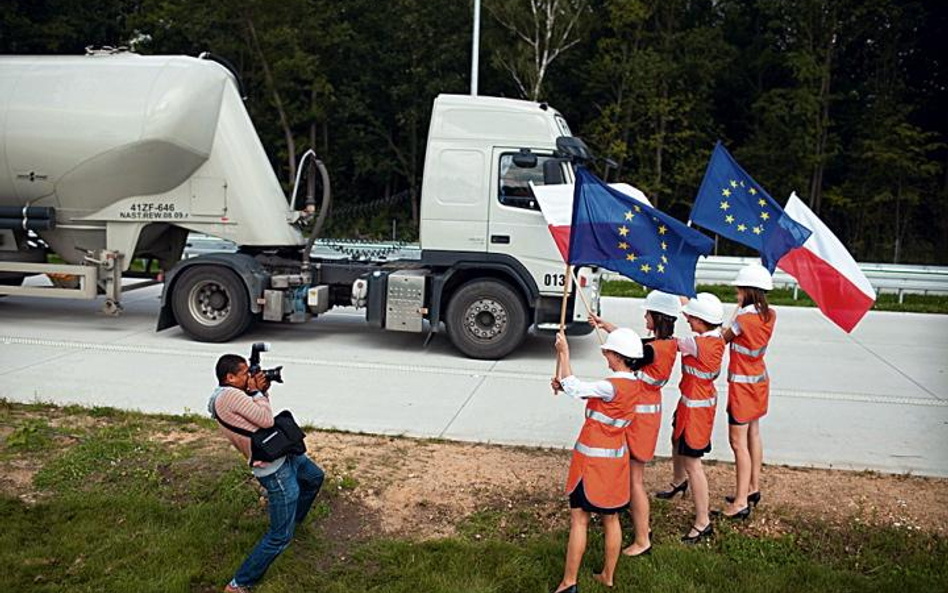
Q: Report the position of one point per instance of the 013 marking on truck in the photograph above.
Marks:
(554, 279)
(152, 211)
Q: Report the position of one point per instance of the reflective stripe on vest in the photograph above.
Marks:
(600, 417)
(648, 409)
(649, 380)
(600, 452)
(699, 403)
(747, 351)
(700, 374)
(735, 378)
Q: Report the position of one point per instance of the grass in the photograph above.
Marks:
(912, 303)
(123, 511)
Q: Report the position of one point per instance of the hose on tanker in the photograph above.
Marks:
(324, 208)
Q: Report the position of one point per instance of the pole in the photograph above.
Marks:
(582, 295)
(566, 287)
(475, 46)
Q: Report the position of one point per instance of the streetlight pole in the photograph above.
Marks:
(475, 46)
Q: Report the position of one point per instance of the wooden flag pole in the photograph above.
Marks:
(579, 291)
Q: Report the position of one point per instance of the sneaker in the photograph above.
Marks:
(232, 588)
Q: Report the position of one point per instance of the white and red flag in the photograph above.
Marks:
(826, 270)
(556, 203)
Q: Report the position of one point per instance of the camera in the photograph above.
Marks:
(274, 375)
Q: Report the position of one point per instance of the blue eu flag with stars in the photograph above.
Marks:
(733, 205)
(617, 232)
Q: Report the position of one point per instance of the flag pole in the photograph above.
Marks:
(566, 288)
(586, 303)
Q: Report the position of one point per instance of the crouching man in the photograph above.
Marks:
(242, 402)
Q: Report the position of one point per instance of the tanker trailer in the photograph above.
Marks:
(114, 156)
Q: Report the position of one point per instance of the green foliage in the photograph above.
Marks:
(31, 435)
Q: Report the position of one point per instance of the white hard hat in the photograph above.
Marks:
(624, 341)
(662, 302)
(707, 307)
(754, 276)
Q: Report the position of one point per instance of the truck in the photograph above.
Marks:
(113, 157)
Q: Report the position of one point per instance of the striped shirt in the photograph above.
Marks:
(236, 408)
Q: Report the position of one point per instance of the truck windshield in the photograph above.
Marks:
(514, 189)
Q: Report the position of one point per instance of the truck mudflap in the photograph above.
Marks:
(248, 269)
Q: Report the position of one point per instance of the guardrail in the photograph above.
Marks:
(889, 278)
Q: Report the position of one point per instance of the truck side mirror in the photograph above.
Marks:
(525, 159)
(573, 148)
(553, 172)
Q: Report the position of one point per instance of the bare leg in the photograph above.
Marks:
(678, 465)
(742, 459)
(578, 524)
(756, 448)
(613, 536)
(699, 490)
(640, 510)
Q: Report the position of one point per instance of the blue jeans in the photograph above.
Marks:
(291, 491)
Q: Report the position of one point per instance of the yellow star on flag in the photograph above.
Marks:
(664, 245)
(664, 259)
(752, 191)
(662, 230)
(742, 227)
(646, 268)
(623, 230)
(765, 215)
(623, 245)
(725, 205)
(758, 230)
(762, 202)
(630, 257)
(629, 215)
(742, 183)
(637, 208)
(661, 268)
(725, 192)
(733, 183)
(729, 219)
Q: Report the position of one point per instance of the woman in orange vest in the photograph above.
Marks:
(748, 387)
(701, 357)
(598, 479)
(661, 310)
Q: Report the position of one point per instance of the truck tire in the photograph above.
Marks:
(486, 319)
(211, 304)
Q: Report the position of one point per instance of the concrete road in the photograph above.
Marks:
(876, 399)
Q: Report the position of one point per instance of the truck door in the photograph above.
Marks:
(516, 226)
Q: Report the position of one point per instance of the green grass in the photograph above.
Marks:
(121, 511)
(912, 303)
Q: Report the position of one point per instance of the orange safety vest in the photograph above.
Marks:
(694, 417)
(748, 389)
(601, 456)
(647, 420)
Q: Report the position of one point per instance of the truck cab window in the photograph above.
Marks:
(514, 189)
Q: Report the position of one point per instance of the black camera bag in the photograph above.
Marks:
(285, 437)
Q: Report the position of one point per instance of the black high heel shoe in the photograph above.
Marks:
(702, 534)
(753, 499)
(570, 589)
(675, 489)
(738, 516)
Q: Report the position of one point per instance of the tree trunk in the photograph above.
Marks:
(277, 101)
(822, 120)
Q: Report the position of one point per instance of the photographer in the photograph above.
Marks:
(291, 481)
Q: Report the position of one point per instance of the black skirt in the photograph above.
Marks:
(578, 500)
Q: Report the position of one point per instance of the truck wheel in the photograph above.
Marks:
(486, 319)
(211, 304)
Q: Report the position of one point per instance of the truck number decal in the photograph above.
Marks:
(554, 279)
(152, 211)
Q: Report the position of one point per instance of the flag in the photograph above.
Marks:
(733, 205)
(614, 231)
(827, 272)
(556, 204)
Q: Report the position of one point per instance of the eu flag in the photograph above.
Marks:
(733, 205)
(617, 232)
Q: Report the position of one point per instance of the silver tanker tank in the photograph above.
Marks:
(133, 151)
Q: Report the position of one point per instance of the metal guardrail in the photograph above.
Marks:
(889, 278)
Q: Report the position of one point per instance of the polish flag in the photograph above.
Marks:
(556, 203)
(826, 270)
